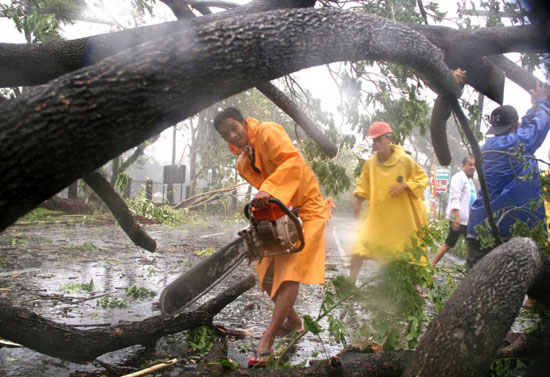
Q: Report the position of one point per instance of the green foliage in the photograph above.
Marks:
(78, 287)
(110, 302)
(139, 292)
(84, 247)
(205, 252)
(440, 293)
(331, 175)
(142, 6)
(201, 339)
(226, 364)
(509, 367)
(122, 180)
(39, 20)
(163, 214)
(334, 175)
(402, 10)
(39, 214)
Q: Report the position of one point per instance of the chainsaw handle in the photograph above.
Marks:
(288, 212)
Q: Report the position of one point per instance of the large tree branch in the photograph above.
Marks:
(66, 342)
(520, 76)
(465, 337)
(35, 64)
(38, 63)
(278, 97)
(466, 49)
(120, 211)
(80, 121)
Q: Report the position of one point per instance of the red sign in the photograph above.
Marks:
(440, 185)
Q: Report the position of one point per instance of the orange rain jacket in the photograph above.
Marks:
(285, 175)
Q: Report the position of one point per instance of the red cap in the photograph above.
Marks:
(378, 129)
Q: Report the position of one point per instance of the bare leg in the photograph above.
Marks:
(284, 303)
(440, 252)
(355, 266)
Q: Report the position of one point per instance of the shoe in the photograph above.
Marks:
(259, 360)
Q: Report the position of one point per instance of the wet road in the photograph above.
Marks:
(42, 268)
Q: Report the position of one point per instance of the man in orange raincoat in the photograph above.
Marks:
(393, 184)
(269, 161)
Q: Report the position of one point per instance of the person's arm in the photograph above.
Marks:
(361, 192)
(455, 196)
(536, 123)
(416, 182)
(455, 215)
(357, 208)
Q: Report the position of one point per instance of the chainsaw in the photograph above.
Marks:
(273, 230)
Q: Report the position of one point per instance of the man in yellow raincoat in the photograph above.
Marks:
(269, 161)
(393, 184)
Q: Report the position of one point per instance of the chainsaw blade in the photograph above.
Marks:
(198, 280)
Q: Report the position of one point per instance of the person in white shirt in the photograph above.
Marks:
(462, 195)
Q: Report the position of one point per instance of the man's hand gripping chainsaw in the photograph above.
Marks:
(273, 230)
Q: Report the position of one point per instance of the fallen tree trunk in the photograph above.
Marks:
(525, 79)
(464, 338)
(280, 99)
(120, 211)
(384, 364)
(347, 363)
(86, 118)
(67, 342)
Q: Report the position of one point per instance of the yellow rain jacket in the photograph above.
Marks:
(391, 222)
(284, 174)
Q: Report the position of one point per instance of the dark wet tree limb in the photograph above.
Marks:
(441, 112)
(69, 343)
(469, 50)
(120, 211)
(520, 76)
(278, 98)
(464, 338)
(299, 116)
(38, 63)
(349, 363)
(476, 151)
(78, 122)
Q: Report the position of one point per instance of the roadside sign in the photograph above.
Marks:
(441, 177)
(441, 185)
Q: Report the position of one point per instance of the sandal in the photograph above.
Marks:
(259, 360)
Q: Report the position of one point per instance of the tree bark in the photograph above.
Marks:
(384, 364)
(520, 76)
(441, 113)
(286, 104)
(81, 120)
(307, 124)
(348, 363)
(466, 335)
(38, 63)
(466, 49)
(69, 343)
(120, 211)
